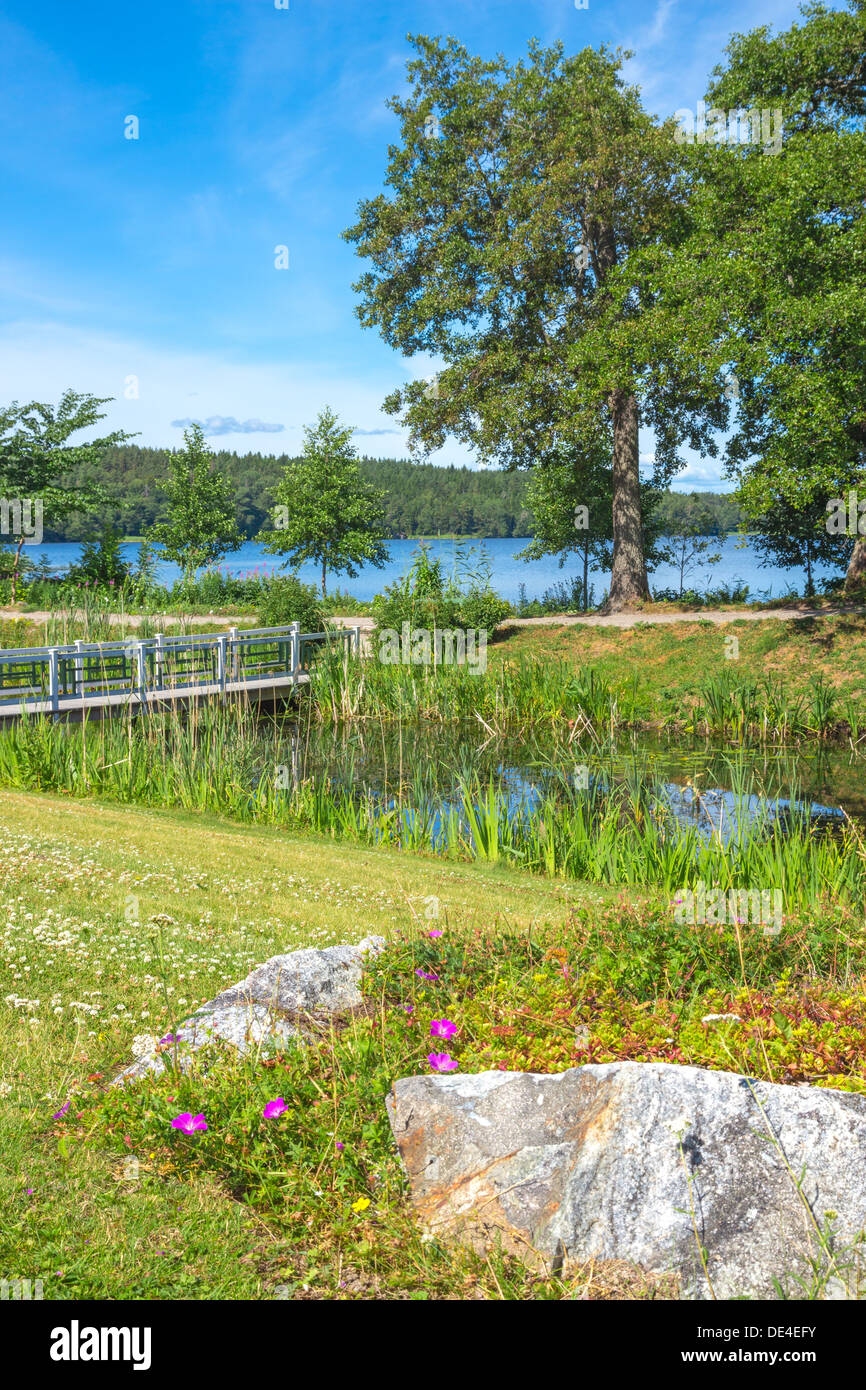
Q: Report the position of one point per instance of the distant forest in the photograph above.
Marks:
(421, 499)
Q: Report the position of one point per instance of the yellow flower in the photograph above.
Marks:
(361, 1204)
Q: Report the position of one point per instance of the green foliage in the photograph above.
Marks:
(325, 511)
(101, 563)
(792, 535)
(776, 257)
(201, 528)
(36, 458)
(142, 580)
(286, 600)
(424, 598)
(510, 247)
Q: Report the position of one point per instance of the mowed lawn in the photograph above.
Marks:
(89, 896)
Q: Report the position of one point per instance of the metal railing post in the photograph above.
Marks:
(141, 671)
(54, 682)
(79, 669)
(356, 640)
(295, 650)
(222, 651)
(235, 661)
(158, 660)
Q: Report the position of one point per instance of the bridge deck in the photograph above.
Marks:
(256, 689)
(102, 678)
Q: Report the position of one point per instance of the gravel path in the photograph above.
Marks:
(365, 623)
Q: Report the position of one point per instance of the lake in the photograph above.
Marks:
(738, 563)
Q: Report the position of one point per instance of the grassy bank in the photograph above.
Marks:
(771, 681)
(779, 678)
(120, 921)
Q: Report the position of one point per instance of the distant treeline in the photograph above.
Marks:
(421, 499)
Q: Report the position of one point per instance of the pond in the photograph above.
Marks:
(711, 788)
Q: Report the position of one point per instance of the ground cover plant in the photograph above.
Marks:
(111, 928)
(301, 1134)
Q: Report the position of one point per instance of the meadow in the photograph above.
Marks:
(150, 862)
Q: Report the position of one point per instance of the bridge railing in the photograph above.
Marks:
(82, 671)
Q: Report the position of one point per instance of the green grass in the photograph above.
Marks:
(83, 898)
(535, 972)
(669, 675)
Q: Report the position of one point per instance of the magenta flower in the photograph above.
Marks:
(340, 1146)
(274, 1108)
(62, 1111)
(189, 1123)
(442, 1028)
(409, 1008)
(441, 1061)
(435, 933)
(422, 975)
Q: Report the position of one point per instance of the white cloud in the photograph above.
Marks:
(227, 424)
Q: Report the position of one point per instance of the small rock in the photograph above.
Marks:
(266, 1005)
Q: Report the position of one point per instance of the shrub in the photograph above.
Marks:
(423, 598)
(482, 608)
(101, 563)
(286, 600)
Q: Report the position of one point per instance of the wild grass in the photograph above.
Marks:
(526, 692)
(619, 829)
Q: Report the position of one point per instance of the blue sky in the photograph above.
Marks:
(153, 258)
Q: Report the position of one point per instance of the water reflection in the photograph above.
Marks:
(716, 790)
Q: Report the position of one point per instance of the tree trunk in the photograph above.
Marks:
(628, 579)
(324, 572)
(856, 573)
(18, 549)
(585, 577)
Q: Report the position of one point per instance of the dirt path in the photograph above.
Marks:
(711, 615)
(707, 615)
(622, 620)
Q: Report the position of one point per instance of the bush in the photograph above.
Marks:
(286, 600)
(423, 598)
(564, 597)
(482, 608)
(101, 563)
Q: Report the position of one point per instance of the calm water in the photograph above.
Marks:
(426, 764)
(738, 563)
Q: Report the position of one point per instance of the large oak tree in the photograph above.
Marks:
(518, 196)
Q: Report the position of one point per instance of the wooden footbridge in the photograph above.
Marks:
(265, 665)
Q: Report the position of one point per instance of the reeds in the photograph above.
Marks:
(619, 830)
